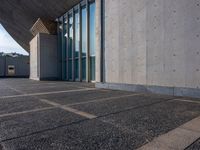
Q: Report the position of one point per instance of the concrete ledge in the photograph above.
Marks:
(173, 91)
(36, 79)
(179, 138)
(189, 92)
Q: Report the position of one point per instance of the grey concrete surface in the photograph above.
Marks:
(194, 146)
(20, 104)
(177, 139)
(152, 42)
(174, 91)
(123, 120)
(44, 57)
(20, 63)
(22, 66)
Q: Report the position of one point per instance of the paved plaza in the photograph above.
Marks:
(57, 115)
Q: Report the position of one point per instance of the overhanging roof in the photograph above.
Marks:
(18, 16)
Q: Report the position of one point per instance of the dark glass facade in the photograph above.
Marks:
(78, 42)
(92, 40)
(84, 40)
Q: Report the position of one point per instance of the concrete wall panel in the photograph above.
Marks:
(48, 56)
(34, 58)
(153, 42)
(44, 57)
(125, 49)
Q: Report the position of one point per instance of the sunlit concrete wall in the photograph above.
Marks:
(153, 46)
(34, 69)
(153, 42)
(125, 41)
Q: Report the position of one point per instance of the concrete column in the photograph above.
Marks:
(98, 40)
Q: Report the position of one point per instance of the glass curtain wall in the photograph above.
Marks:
(92, 40)
(70, 46)
(84, 41)
(62, 30)
(78, 43)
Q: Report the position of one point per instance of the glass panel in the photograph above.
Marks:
(70, 48)
(77, 68)
(77, 41)
(92, 68)
(84, 42)
(84, 29)
(71, 26)
(84, 68)
(77, 47)
(70, 36)
(70, 69)
(92, 36)
(64, 50)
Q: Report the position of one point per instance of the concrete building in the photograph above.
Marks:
(135, 45)
(14, 65)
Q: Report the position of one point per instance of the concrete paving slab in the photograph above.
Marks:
(31, 123)
(45, 86)
(48, 89)
(110, 106)
(123, 122)
(177, 139)
(21, 83)
(82, 96)
(2, 87)
(69, 109)
(20, 104)
(194, 125)
(8, 92)
(92, 134)
(194, 146)
(154, 120)
(46, 93)
(156, 145)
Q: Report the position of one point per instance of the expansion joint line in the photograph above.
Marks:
(69, 109)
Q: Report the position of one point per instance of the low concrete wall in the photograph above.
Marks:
(20, 63)
(173, 91)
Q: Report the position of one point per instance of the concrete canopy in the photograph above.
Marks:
(18, 16)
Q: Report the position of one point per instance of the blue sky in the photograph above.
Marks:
(8, 44)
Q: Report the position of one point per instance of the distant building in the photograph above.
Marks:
(14, 65)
